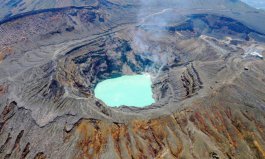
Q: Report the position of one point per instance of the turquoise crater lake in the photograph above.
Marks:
(128, 90)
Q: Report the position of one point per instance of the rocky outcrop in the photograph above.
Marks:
(208, 105)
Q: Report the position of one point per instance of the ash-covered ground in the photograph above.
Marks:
(205, 57)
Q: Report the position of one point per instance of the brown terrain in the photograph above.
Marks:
(205, 57)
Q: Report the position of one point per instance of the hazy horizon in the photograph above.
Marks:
(260, 4)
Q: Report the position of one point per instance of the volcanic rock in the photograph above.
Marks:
(53, 53)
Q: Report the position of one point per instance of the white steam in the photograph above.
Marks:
(147, 45)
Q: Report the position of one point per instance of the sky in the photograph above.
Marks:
(260, 4)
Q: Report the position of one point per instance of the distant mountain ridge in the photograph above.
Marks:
(232, 8)
(13, 7)
(259, 4)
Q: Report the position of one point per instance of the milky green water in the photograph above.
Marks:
(129, 90)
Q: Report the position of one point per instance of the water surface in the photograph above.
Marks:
(129, 90)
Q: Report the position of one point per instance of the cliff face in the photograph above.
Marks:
(211, 129)
(208, 81)
(190, 133)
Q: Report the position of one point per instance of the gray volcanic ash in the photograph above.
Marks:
(206, 57)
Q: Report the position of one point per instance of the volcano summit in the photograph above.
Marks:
(205, 58)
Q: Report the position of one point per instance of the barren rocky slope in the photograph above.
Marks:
(205, 57)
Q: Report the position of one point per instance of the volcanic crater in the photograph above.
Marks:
(209, 94)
